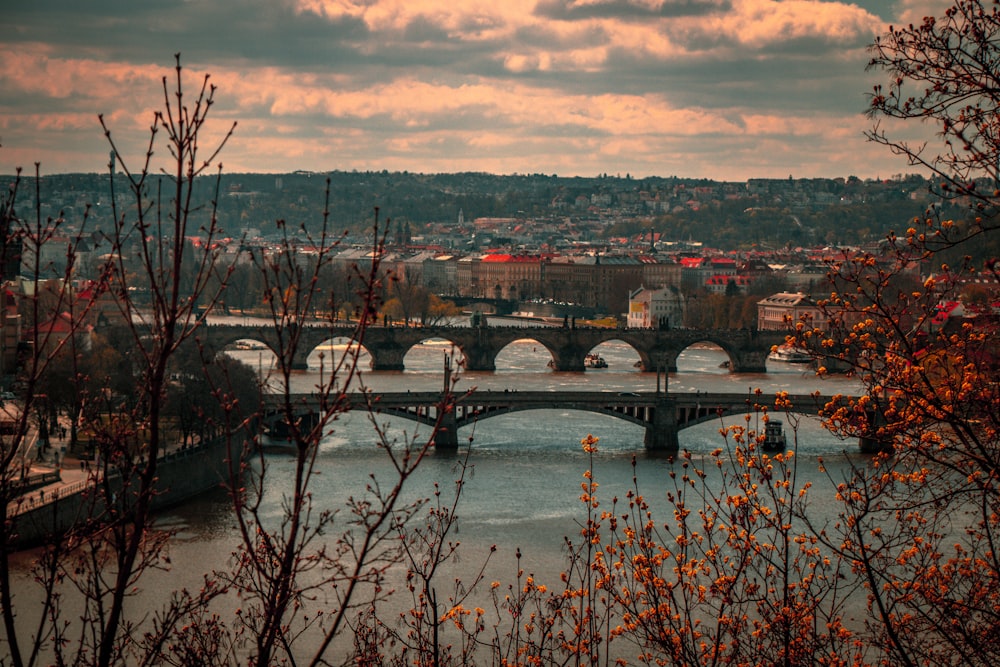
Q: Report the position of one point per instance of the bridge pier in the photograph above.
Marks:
(387, 358)
(300, 359)
(568, 359)
(446, 437)
(658, 360)
(662, 440)
(479, 358)
(749, 361)
(661, 429)
(871, 443)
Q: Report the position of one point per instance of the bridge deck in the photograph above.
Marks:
(661, 414)
(563, 399)
(422, 406)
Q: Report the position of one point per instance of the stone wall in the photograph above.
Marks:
(180, 476)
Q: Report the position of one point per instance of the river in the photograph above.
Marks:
(523, 492)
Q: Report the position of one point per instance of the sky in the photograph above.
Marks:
(721, 89)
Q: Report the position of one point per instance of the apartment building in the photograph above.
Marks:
(781, 311)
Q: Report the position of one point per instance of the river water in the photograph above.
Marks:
(527, 467)
(524, 487)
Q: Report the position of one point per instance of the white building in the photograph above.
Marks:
(655, 309)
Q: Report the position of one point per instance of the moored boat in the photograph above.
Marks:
(790, 355)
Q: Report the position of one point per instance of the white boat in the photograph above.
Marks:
(790, 355)
(595, 361)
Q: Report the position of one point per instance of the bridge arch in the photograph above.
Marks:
(704, 354)
(243, 341)
(468, 418)
(540, 359)
(256, 352)
(429, 353)
(747, 349)
(330, 352)
(618, 353)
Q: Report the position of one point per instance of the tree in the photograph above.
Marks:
(164, 285)
(408, 302)
(741, 574)
(196, 374)
(943, 72)
(46, 344)
(920, 523)
(284, 563)
(131, 434)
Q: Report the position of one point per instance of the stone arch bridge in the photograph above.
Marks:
(657, 349)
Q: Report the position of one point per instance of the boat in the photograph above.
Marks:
(249, 345)
(774, 437)
(595, 361)
(790, 354)
(276, 435)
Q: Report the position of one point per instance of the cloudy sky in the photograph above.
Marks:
(723, 89)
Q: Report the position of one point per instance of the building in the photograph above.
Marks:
(513, 277)
(440, 274)
(499, 276)
(660, 272)
(611, 279)
(51, 334)
(780, 312)
(655, 309)
(697, 271)
(10, 333)
(726, 284)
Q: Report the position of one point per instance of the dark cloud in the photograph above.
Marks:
(540, 91)
(542, 35)
(628, 10)
(266, 31)
(753, 83)
(422, 30)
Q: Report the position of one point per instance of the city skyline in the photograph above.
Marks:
(728, 90)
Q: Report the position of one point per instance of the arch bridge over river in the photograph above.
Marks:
(569, 346)
(662, 414)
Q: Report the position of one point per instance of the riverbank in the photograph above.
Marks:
(70, 499)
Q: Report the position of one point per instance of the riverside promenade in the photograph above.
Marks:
(47, 473)
(55, 497)
(48, 483)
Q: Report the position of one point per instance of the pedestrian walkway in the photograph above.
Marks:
(71, 479)
(61, 474)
